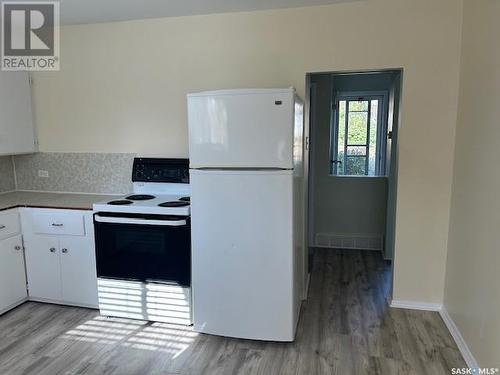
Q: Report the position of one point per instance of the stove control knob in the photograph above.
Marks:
(157, 173)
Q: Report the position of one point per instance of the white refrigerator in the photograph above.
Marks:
(247, 209)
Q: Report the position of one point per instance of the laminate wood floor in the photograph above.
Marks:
(346, 327)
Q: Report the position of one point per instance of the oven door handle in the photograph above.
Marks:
(127, 220)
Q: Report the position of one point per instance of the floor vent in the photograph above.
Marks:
(349, 241)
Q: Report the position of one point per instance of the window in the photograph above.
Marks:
(358, 134)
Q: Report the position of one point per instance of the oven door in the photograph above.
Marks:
(151, 248)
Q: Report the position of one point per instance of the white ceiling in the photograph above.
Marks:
(94, 11)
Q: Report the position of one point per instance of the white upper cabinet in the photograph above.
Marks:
(17, 134)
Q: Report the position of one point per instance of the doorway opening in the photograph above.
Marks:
(352, 121)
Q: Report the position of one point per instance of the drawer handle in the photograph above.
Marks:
(57, 225)
(64, 251)
(52, 249)
(17, 247)
(2, 226)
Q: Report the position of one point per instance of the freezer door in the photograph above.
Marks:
(242, 254)
(238, 129)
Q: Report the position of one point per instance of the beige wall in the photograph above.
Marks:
(122, 89)
(472, 293)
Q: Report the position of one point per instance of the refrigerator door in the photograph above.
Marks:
(242, 254)
(241, 129)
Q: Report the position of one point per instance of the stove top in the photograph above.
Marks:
(120, 202)
(140, 197)
(178, 203)
(158, 205)
(160, 187)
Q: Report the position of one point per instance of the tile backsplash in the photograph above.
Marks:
(7, 177)
(74, 172)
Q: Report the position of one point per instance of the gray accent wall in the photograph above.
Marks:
(7, 176)
(75, 172)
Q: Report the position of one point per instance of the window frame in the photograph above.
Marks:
(381, 144)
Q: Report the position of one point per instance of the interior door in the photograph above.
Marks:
(78, 271)
(43, 267)
(12, 274)
(241, 129)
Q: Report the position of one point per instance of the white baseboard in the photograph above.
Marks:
(459, 340)
(414, 305)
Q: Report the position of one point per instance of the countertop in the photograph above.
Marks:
(51, 200)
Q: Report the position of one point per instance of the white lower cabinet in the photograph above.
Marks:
(78, 270)
(60, 267)
(43, 266)
(47, 256)
(12, 274)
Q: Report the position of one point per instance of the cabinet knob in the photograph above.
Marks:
(64, 251)
(17, 247)
(52, 249)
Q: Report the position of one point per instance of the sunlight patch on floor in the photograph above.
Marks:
(165, 337)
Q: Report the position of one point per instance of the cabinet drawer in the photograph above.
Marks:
(71, 224)
(9, 224)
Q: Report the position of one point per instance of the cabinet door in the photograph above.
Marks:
(12, 274)
(43, 267)
(78, 270)
(17, 133)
